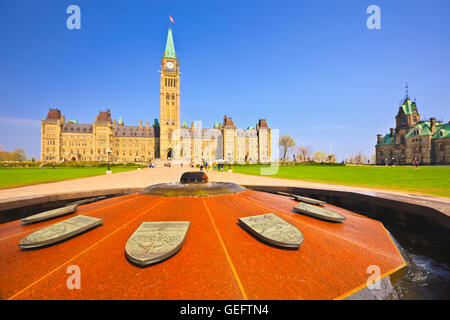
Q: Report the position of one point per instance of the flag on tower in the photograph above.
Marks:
(171, 19)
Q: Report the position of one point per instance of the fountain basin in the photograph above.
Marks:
(218, 260)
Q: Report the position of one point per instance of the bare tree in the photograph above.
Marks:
(303, 153)
(359, 158)
(287, 144)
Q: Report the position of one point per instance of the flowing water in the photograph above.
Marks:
(428, 273)
(427, 277)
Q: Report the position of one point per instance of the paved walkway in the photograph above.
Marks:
(145, 177)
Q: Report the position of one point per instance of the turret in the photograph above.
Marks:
(379, 139)
(433, 125)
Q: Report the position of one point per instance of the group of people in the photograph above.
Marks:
(216, 166)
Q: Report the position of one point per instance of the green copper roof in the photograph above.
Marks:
(387, 140)
(442, 131)
(73, 121)
(408, 107)
(120, 121)
(216, 125)
(423, 127)
(184, 124)
(156, 123)
(170, 47)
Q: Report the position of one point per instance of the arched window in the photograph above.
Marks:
(173, 96)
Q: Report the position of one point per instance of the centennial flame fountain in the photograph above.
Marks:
(196, 239)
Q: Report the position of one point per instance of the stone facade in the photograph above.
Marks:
(427, 142)
(166, 139)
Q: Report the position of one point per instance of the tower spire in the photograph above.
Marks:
(407, 94)
(170, 47)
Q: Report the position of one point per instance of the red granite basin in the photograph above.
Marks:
(219, 260)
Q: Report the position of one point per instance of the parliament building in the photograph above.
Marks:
(168, 139)
(427, 142)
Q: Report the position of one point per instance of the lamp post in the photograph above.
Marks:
(108, 152)
(138, 160)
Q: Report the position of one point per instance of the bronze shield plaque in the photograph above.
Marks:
(50, 214)
(318, 212)
(89, 200)
(309, 200)
(156, 241)
(59, 231)
(273, 229)
(303, 199)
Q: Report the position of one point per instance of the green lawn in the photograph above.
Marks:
(14, 177)
(425, 180)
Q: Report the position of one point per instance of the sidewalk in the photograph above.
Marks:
(138, 179)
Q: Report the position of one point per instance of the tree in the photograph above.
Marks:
(360, 158)
(16, 155)
(287, 144)
(303, 153)
(19, 155)
(320, 156)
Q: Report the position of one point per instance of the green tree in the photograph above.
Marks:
(320, 156)
(19, 155)
(16, 155)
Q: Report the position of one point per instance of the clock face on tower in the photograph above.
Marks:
(169, 65)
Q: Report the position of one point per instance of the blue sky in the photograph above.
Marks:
(311, 68)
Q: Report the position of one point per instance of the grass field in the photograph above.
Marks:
(15, 177)
(424, 180)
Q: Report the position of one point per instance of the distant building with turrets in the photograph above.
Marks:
(427, 142)
(167, 139)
